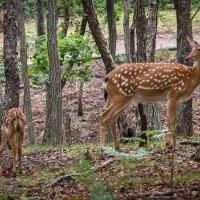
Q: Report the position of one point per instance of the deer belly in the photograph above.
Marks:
(149, 99)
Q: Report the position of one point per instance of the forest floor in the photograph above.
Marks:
(84, 171)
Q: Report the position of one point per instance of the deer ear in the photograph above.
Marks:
(192, 42)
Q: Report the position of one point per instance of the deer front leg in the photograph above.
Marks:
(114, 135)
(171, 112)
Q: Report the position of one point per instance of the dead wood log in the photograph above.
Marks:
(104, 164)
(190, 142)
(60, 179)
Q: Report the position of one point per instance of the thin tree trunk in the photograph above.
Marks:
(40, 17)
(98, 35)
(126, 29)
(110, 6)
(83, 25)
(23, 56)
(132, 35)
(184, 29)
(80, 95)
(53, 129)
(65, 25)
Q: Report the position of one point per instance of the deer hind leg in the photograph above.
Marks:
(171, 111)
(20, 159)
(14, 146)
(20, 152)
(3, 141)
(109, 118)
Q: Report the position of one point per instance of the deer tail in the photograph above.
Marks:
(106, 96)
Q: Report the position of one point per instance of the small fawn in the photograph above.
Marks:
(13, 130)
(149, 82)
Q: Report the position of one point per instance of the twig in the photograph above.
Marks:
(195, 13)
(60, 179)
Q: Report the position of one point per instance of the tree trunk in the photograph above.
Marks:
(141, 25)
(40, 18)
(80, 95)
(152, 30)
(126, 29)
(23, 57)
(152, 110)
(132, 36)
(184, 29)
(83, 25)
(12, 85)
(97, 35)
(65, 24)
(53, 129)
(110, 6)
(141, 30)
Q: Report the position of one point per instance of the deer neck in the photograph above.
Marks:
(196, 64)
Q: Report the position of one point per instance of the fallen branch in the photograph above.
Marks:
(104, 164)
(187, 142)
(60, 179)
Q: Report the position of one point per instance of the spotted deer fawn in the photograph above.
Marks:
(13, 131)
(146, 83)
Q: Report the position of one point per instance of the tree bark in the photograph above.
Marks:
(23, 57)
(40, 18)
(126, 29)
(132, 35)
(80, 97)
(98, 35)
(12, 85)
(152, 110)
(141, 25)
(53, 129)
(110, 7)
(152, 30)
(184, 29)
(65, 25)
(141, 31)
(83, 25)
(12, 81)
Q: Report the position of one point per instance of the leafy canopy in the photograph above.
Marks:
(74, 50)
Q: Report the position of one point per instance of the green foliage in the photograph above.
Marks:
(163, 3)
(141, 152)
(131, 140)
(162, 54)
(4, 197)
(119, 58)
(89, 178)
(73, 50)
(23, 197)
(154, 136)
